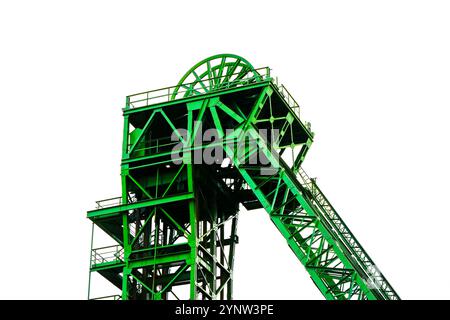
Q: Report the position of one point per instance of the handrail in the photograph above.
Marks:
(148, 98)
(110, 202)
(114, 202)
(151, 97)
(110, 297)
(292, 103)
(106, 254)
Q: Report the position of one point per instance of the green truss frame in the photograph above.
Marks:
(159, 250)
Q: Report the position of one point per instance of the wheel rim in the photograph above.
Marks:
(217, 72)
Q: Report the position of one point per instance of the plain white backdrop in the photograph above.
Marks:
(373, 78)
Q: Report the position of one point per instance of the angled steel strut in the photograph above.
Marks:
(226, 135)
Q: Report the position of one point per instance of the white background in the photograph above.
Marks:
(373, 78)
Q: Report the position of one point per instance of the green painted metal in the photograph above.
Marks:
(175, 223)
(215, 73)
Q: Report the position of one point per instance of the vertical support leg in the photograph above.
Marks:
(126, 239)
(193, 236)
(231, 257)
(125, 282)
(90, 262)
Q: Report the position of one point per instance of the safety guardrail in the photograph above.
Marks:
(180, 91)
(107, 254)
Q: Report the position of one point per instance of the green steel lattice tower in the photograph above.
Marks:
(175, 224)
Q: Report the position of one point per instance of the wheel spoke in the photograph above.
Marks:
(211, 75)
(219, 75)
(200, 81)
(214, 73)
(231, 70)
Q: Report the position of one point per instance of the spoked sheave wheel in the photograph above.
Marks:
(218, 72)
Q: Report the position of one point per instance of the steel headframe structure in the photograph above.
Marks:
(175, 223)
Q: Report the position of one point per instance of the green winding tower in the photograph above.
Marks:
(175, 224)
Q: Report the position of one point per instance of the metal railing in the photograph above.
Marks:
(289, 99)
(374, 277)
(154, 146)
(176, 92)
(107, 254)
(111, 297)
(111, 202)
(114, 202)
